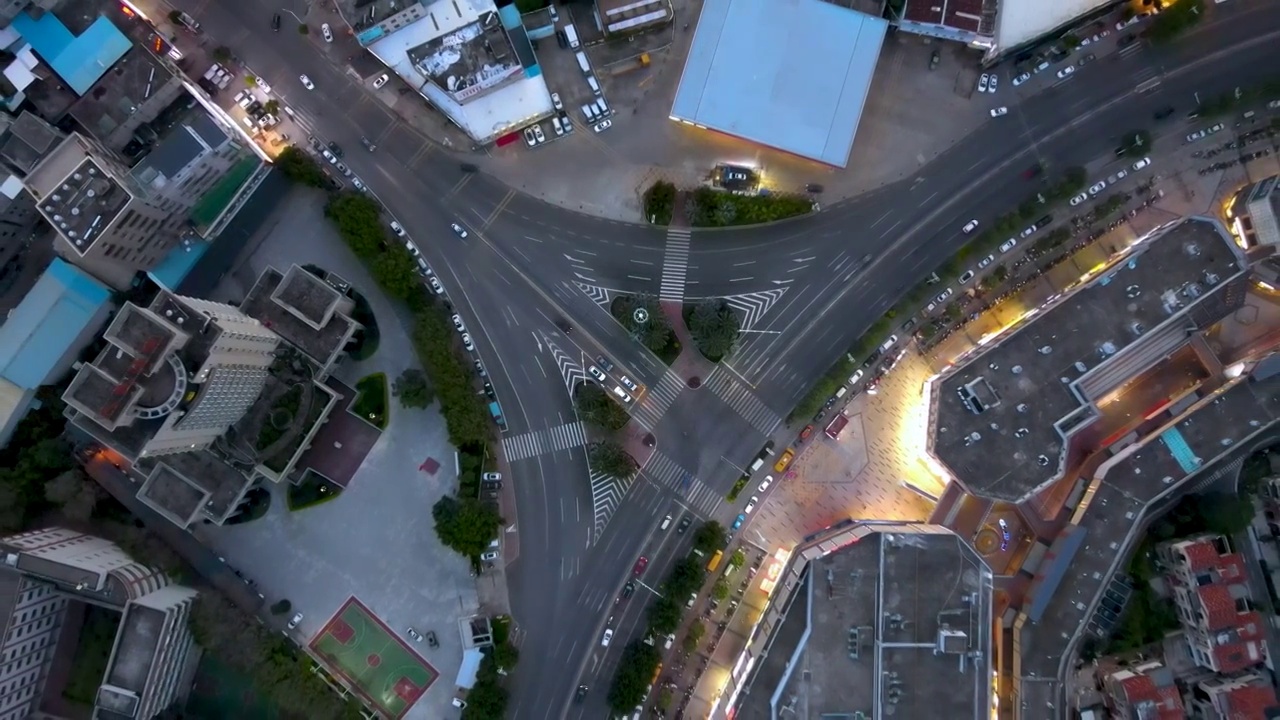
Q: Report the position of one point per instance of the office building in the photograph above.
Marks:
(1252, 212)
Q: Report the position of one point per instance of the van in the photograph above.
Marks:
(842, 392)
(571, 34)
(602, 107)
(666, 523)
(756, 465)
(582, 62)
(423, 267)
(589, 112)
(670, 639)
(594, 84)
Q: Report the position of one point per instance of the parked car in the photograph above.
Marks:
(1097, 187)
(966, 277)
(1079, 199)
(602, 126)
(1066, 71)
(1021, 79)
(997, 112)
(983, 82)
(397, 229)
(986, 261)
(555, 101)
(492, 476)
(293, 623)
(1008, 245)
(381, 80)
(1144, 162)
(327, 32)
(490, 556)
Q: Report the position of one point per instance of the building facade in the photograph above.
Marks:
(1252, 212)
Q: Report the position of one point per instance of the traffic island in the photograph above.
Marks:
(713, 326)
(644, 317)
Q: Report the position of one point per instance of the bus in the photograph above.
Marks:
(715, 561)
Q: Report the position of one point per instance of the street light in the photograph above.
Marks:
(646, 587)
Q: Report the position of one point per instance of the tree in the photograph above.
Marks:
(597, 408)
(464, 415)
(664, 615)
(222, 53)
(720, 590)
(412, 389)
(1175, 20)
(696, 632)
(175, 17)
(272, 106)
(142, 545)
(506, 655)
(281, 607)
(685, 578)
(397, 273)
(655, 332)
(75, 493)
(631, 681)
(610, 458)
(299, 167)
(487, 699)
(660, 202)
(739, 558)
(714, 326)
(466, 525)
(1226, 514)
(711, 536)
(665, 696)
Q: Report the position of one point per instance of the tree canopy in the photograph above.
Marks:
(711, 536)
(413, 389)
(714, 326)
(466, 525)
(597, 408)
(608, 457)
(299, 167)
(631, 681)
(655, 332)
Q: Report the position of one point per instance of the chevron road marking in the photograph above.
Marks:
(655, 402)
(537, 442)
(754, 305)
(607, 493)
(675, 264)
(755, 412)
(571, 371)
(598, 295)
(664, 471)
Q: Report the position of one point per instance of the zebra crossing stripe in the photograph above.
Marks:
(668, 472)
(675, 264)
(747, 405)
(537, 442)
(655, 402)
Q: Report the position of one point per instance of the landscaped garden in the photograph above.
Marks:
(371, 400)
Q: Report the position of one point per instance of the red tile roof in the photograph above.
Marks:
(1201, 555)
(1219, 607)
(1244, 648)
(1250, 702)
(1140, 690)
(966, 15)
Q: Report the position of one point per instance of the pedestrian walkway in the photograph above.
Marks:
(675, 265)
(659, 397)
(693, 493)
(756, 413)
(538, 442)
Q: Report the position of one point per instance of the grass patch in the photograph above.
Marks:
(670, 351)
(371, 399)
(709, 208)
(311, 491)
(287, 405)
(659, 202)
(97, 635)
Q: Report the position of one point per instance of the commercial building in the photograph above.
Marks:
(792, 74)
(469, 58)
(870, 620)
(999, 27)
(50, 570)
(1253, 213)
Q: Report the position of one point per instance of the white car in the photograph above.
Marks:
(1027, 232)
(997, 112)
(306, 82)
(983, 82)
(326, 32)
(395, 228)
(491, 476)
(490, 556)
(1044, 65)
(966, 277)
(457, 323)
(1097, 187)
(986, 261)
(1066, 71)
(970, 226)
(1215, 128)
(555, 100)
(413, 249)
(608, 635)
(529, 139)
(1007, 245)
(751, 505)
(595, 373)
(768, 480)
(602, 125)
(942, 296)
(435, 285)
(856, 376)
(466, 342)
(1197, 135)
(329, 156)
(244, 99)
(627, 382)
(382, 80)
(1144, 162)
(294, 622)
(1021, 79)
(995, 81)
(458, 230)
(537, 133)
(1079, 199)
(1126, 23)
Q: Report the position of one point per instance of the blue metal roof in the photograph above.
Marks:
(1046, 586)
(178, 263)
(790, 74)
(47, 322)
(79, 61)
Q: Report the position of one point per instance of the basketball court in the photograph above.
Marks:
(373, 660)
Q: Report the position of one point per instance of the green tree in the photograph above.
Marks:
(299, 167)
(412, 389)
(272, 106)
(74, 493)
(597, 408)
(359, 222)
(608, 457)
(1175, 20)
(697, 630)
(665, 696)
(487, 699)
(466, 525)
(711, 536)
(281, 607)
(739, 558)
(655, 332)
(222, 53)
(464, 415)
(631, 681)
(506, 655)
(396, 273)
(720, 590)
(686, 577)
(714, 326)
(1226, 514)
(660, 202)
(664, 615)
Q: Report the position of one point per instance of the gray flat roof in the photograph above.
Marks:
(790, 74)
(295, 308)
(136, 643)
(893, 595)
(1024, 382)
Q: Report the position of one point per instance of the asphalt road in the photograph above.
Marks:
(527, 263)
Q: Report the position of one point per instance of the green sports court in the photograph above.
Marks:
(374, 661)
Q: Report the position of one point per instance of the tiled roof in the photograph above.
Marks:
(1250, 702)
(1243, 649)
(1201, 555)
(1141, 690)
(1219, 607)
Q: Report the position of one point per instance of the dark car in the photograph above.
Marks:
(1044, 221)
(488, 390)
(582, 693)
(1163, 113)
(275, 22)
(469, 168)
(368, 144)
(629, 589)
(561, 40)
(1127, 40)
(563, 326)
(333, 148)
(604, 363)
(684, 524)
(814, 188)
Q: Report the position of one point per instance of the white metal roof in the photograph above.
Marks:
(1021, 21)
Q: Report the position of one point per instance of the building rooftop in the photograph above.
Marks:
(790, 74)
(976, 17)
(302, 309)
(470, 56)
(190, 140)
(182, 485)
(136, 643)
(27, 140)
(624, 16)
(48, 321)
(1001, 420)
(897, 622)
(76, 196)
(1021, 21)
(117, 96)
(80, 60)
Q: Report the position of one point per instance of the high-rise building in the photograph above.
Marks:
(173, 376)
(44, 572)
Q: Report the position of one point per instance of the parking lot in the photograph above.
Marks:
(375, 541)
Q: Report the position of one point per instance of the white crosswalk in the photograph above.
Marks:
(675, 265)
(537, 442)
(659, 397)
(743, 402)
(664, 471)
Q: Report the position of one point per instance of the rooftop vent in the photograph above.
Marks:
(1045, 350)
(1043, 461)
(972, 438)
(1016, 369)
(1211, 278)
(1132, 291)
(1023, 407)
(1137, 328)
(1107, 349)
(1192, 249)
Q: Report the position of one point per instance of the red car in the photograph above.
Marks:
(806, 432)
(641, 564)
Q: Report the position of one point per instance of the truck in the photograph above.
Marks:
(583, 63)
(496, 411)
(571, 34)
(836, 425)
(715, 561)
